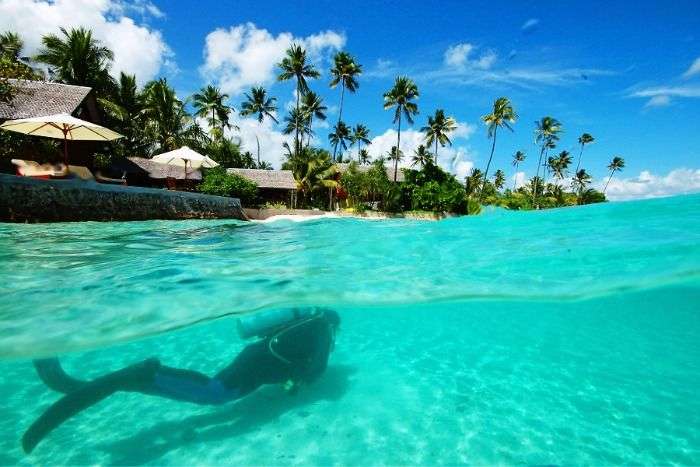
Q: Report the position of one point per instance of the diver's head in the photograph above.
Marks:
(332, 317)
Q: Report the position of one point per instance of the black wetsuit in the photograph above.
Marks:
(297, 352)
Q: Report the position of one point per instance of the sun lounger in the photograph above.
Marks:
(35, 170)
(114, 181)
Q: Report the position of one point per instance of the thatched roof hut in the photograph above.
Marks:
(270, 179)
(159, 171)
(273, 185)
(40, 98)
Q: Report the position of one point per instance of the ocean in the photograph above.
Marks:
(566, 336)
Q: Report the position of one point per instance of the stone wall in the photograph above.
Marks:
(23, 199)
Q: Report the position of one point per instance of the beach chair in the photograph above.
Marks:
(35, 170)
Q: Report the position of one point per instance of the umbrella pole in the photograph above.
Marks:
(65, 149)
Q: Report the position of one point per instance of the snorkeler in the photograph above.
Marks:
(294, 348)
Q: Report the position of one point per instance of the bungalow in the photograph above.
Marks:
(139, 171)
(41, 98)
(273, 185)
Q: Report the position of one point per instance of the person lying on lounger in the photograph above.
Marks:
(290, 353)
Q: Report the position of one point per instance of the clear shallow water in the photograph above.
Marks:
(568, 336)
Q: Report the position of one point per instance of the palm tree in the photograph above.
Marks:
(360, 134)
(297, 123)
(421, 157)
(437, 129)
(11, 46)
(123, 112)
(473, 181)
(501, 116)
(295, 66)
(396, 156)
(580, 181)
(558, 165)
(583, 140)
(312, 106)
(499, 179)
(401, 96)
(78, 58)
(518, 157)
(209, 104)
(345, 72)
(536, 184)
(363, 157)
(259, 104)
(164, 114)
(616, 165)
(546, 134)
(339, 137)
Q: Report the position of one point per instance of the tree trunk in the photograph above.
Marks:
(308, 140)
(537, 174)
(486, 173)
(297, 146)
(515, 179)
(398, 150)
(580, 154)
(608, 182)
(258, 141)
(359, 145)
(342, 98)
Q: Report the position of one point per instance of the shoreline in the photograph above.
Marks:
(301, 215)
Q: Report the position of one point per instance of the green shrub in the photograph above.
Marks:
(433, 189)
(274, 205)
(217, 182)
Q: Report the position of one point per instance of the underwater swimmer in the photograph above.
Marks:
(291, 353)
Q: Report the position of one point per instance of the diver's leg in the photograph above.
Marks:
(52, 374)
(147, 377)
(191, 386)
(136, 377)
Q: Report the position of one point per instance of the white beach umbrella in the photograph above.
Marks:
(181, 157)
(61, 126)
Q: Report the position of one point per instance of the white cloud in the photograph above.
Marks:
(519, 179)
(382, 69)
(694, 69)
(456, 55)
(456, 159)
(138, 49)
(672, 91)
(245, 55)
(459, 56)
(530, 25)
(462, 67)
(271, 139)
(648, 185)
(661, 100)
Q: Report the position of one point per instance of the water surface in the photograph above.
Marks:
(563, 336)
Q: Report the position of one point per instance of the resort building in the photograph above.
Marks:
(41, 98)
(273, 185)
(139, 171)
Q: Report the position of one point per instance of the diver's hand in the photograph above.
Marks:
(291, 386)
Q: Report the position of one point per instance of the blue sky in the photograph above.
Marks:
(629, 76)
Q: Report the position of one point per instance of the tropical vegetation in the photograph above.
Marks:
(154, 119)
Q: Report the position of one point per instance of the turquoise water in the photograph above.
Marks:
(569, 336)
